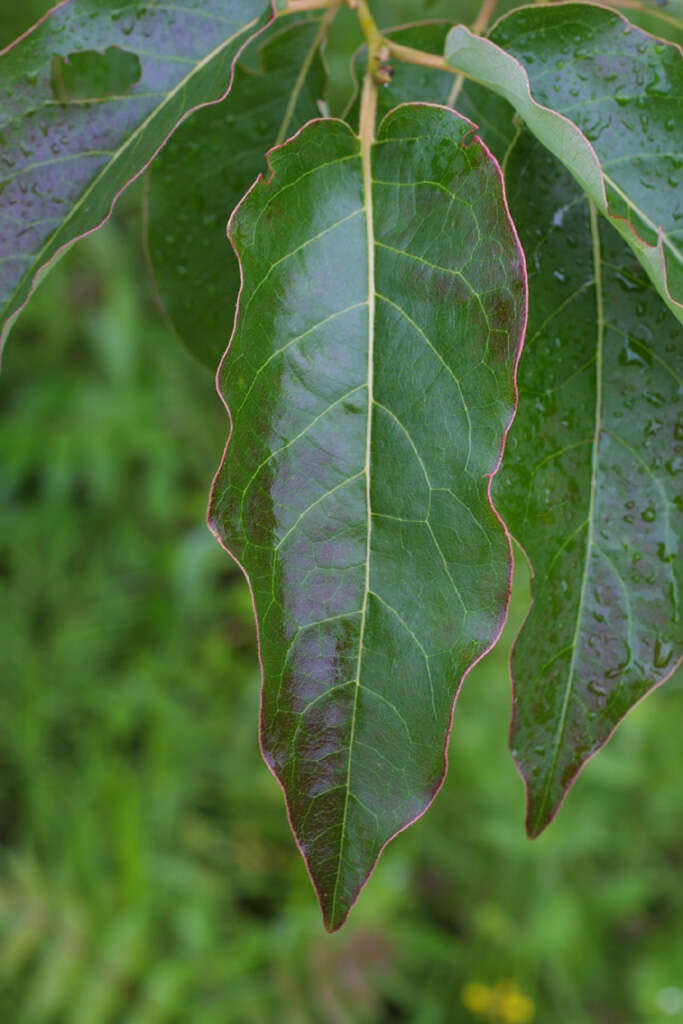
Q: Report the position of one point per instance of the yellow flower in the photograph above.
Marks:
(502, 1003)
(478, 998)
(513, 1007)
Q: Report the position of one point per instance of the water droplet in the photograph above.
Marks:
(663, 653)
(630, 356)
(663, 554)
(649, 514)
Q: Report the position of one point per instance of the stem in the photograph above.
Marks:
(367, 23)
(294, 6)
(378, 48)
(479, 26)
(368, 113)
(654, 12)
(427, 60)
(412, 56)
(483, 19)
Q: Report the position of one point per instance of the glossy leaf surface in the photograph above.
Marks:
(605, 98)
(590, 484)
(65, 156)
(371, 382)
(197, 181)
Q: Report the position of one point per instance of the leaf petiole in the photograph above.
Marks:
(295, 6)
(381, 49)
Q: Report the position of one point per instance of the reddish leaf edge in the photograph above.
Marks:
(536, 828)
(658, 247)
(46, 267)
(474, 139)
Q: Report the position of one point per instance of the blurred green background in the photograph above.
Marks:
(147, 873)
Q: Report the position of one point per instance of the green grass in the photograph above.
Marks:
(147, 873)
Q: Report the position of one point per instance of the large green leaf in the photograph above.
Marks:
(371, 382)
(197, 180)
(68, 150)
(590, 484)
(605, 98)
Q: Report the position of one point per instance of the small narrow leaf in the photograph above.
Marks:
(590, 484)
(197, 180)
(371, 382)
(66, 156)
(604, 97)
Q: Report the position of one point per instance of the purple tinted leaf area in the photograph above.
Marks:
(68, 147)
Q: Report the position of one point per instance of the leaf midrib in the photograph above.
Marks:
(569, 688)
(366, 164)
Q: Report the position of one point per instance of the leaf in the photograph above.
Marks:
(397, 12)
(661, 19)
(604, 97)
(590, 483)
(389, 281)
(197, 180)
(400, 12)
(65, 158)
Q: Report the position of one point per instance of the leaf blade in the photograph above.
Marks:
(65, 162)
(352, 780)
(584, 487)
(514, 62)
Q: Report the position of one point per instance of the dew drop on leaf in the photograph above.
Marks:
(663, 653)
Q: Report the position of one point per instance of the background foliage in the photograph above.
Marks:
(147, 873)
